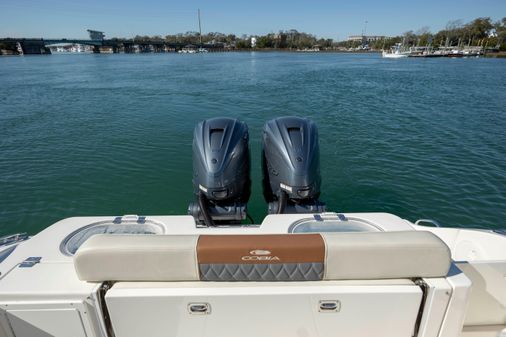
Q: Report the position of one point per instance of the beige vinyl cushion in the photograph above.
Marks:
(385, 255)
(106, 257)
(348, 256)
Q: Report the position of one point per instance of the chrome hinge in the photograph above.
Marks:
(129, 218)
(30, 262)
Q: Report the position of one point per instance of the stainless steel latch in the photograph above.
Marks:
(129, 218)
(30, 262)
(329, 306)
(199, 308)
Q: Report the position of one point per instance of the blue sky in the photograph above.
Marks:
(325, 18)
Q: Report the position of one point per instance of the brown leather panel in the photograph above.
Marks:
(263, 249)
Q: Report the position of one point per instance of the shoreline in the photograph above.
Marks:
(245, 50)
(500, 54)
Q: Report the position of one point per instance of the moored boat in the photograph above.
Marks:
(395, 53)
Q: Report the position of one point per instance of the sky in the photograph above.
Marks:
(325, 18)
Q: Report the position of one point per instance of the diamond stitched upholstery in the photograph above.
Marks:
(262, 272)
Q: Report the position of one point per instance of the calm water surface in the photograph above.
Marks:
(111, 134)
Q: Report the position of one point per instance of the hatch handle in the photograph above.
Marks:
(421, 222)
(329, 306)
(199, 308)
(129, 218)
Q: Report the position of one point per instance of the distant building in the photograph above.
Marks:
(492, 33)
(96, 35)
(253, 42)
(366, 38)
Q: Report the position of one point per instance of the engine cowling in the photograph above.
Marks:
(291, 166)
(221, 170)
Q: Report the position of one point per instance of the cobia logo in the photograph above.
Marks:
(260, 252)
(260, 255)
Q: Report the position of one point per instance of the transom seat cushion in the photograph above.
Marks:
(278, 257)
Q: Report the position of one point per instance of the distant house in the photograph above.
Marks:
(253, 42)
(366, 38)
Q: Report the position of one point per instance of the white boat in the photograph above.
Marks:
(293, 274)
(395, 52)
(393, 55)
(187, 51)
(309, 50)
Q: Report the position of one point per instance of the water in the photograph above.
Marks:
(111, 134)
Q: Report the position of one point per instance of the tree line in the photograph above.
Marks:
(479, 32)
(290, 39)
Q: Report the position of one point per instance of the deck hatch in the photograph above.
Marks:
(336, 224)
(140, 226)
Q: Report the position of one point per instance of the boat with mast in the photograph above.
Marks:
(395, 52)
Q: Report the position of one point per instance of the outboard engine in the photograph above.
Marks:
(291, 166)
(221, 171)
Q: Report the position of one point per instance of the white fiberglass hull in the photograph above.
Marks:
(44, 290)
(394, 55)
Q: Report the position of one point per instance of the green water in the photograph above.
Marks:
(111, 134)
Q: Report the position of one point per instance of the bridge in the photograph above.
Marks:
(41, 46)
(100, 45)
(49, 42)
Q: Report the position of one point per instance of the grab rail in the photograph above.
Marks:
(500, 231)
(14, 238)
(429, 221)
